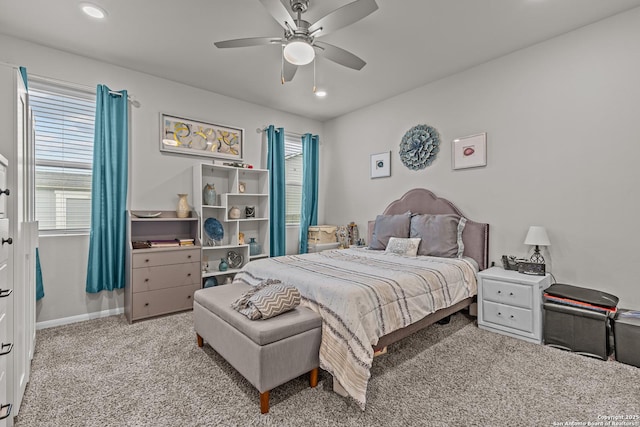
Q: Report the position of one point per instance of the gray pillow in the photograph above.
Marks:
(388, 226)
(441, 234)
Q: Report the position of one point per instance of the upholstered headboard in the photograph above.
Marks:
(421, 201)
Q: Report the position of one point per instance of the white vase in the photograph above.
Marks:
(182, 211)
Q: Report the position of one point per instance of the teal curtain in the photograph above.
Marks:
(277, 191)
(107, 240)
(39, 285)
(309, 203)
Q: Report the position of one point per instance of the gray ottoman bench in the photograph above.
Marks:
(268, 352)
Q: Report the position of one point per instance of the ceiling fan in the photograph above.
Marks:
(299, 42)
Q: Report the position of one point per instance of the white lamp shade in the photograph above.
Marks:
(299, 52)
(537, 235)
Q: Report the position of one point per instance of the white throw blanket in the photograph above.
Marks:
(363, 295)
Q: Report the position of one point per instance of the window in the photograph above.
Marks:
(293, 178)
(64, 131)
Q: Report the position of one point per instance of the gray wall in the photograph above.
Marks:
(563, 148)
(155, 177)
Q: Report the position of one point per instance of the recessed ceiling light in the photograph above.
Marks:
(93, 11)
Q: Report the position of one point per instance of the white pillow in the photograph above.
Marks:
(403, 246)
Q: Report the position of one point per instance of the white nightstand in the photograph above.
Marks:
(510, 303)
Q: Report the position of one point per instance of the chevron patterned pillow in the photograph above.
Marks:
(271, 300)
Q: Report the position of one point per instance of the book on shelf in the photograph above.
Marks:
(186, 242)
(164, 243)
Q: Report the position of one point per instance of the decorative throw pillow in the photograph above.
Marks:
(268, 299)
(387, 226)
(400, 246)
(441, 234)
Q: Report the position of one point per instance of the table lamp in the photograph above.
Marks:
(537, 236)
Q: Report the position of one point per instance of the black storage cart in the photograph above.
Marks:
(627, 338)
(578, 319)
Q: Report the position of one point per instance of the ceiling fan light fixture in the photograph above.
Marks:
(299, 52)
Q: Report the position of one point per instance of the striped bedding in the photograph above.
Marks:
(362, 295)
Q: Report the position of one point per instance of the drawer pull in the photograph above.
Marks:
(499, 314)
(5, 410)
(146, 304)
(5, 292)
(511, 317)
(189, 256)
(4, 352)
(188, 274)
(9, 240)
(146, 280)
(189, 297)
(5, 191)
(510, 294)
(499, 292)
(146, 260)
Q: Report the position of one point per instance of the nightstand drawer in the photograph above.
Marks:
(165, 276)
(179, 256)
(507, 293)
(511, 317)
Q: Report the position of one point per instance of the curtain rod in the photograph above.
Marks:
(76, 86)
(296, 134)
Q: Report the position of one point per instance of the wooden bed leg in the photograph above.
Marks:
(264, 402)
(313, 378)
(200, 341)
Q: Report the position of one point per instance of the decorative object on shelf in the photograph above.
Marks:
(354, 236)
(223, 266)
(209, 195)
(146, 214)
(380, 165)
(254, 247)
(343, 236)
(182, 211)
(419, 147)
(227, 280)
(210, 282)
(239, 165)
(215, 232)
(537, 236)
(469, 152)
(234, 259)
(185, 136)
(241, 238)
(250, 211)
(242, 187)
(234, 212)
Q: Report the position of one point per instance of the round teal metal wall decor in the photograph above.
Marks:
(419, 147)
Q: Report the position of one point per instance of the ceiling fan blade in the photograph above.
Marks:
(279, 13)
(343, 16)
(340, 56)
(252, 41)
(288, 71)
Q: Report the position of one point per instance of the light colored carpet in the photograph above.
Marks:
(108, 373)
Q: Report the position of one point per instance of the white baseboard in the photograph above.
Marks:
(78, 318)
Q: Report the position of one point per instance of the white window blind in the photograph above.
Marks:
(293, 178)
(64, 131)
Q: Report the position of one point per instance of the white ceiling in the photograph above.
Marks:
(406, 43)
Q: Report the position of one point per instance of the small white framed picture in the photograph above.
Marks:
(381, 165)
(469, 152)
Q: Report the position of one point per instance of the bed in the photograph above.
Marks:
(369, 298)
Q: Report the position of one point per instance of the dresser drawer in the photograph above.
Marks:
(507, 293)
(165, 276)
(162, 301)
(509, 316)
(150, 259)
(4, 234)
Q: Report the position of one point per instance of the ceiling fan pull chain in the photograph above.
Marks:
(282, 64)
(314, 75)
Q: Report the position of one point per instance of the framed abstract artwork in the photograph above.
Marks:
(469, 152)
(187, 136)
(381, 164)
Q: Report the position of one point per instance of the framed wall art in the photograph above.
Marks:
(187, 136)
(470, 151)
(381, 164)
